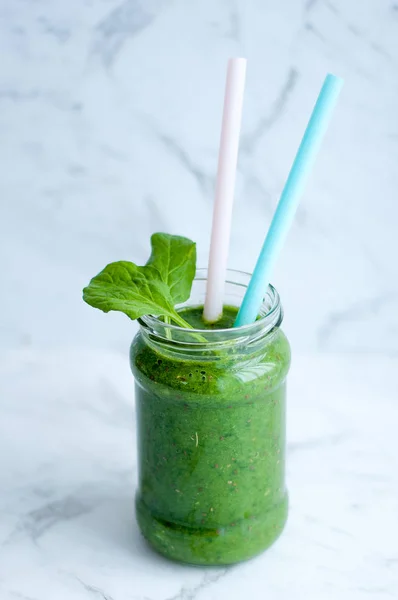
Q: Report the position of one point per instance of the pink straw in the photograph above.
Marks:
(222, 211)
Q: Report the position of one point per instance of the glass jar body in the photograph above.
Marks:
(211, 446)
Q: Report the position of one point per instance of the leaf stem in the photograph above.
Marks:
(167, 321)
(182, 323)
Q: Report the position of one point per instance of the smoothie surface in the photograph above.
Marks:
(194, 316)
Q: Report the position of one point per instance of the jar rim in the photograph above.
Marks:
(270, 312)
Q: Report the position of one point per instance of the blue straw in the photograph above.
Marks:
(289, 200)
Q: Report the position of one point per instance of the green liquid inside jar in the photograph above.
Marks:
(211, 444)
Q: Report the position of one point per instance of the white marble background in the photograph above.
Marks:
(110, 116)
(109, 122)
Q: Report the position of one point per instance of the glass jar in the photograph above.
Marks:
(211, 432)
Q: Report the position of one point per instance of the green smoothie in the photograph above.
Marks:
(211, 443)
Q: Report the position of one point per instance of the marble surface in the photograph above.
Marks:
(110, 116)
(68, 471)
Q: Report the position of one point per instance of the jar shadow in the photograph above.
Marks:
(112, 527)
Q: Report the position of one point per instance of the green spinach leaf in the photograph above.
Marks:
(175, 259)
(153, 289)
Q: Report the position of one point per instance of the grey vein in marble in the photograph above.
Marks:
(94, 591)
(204, 181)
(310, 5)
(61, 34)
(249, 141)
(258, 192)
(332, 7)
(208, 580)
(354, 30)
(314, 30)
(378, 48)
(125, 21)
(19, 96)
(234, 32)
(21, 596)
(39, 521)
(348, 316)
